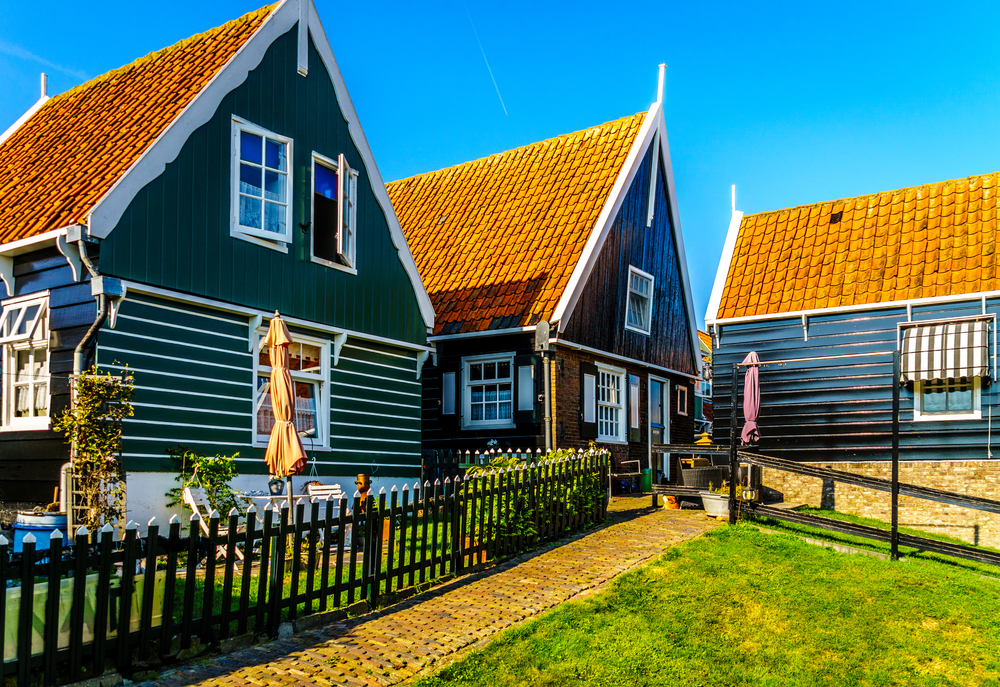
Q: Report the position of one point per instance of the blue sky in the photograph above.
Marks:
(792, 102)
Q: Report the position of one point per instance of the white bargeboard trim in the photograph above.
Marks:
(712, 311)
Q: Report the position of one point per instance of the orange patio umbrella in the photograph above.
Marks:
(285, 454)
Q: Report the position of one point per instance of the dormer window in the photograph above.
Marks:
(639, 308)
(24, 345)
(334, 213)
(262, 183)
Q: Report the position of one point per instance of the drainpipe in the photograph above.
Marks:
(547, 361)
(102, 301)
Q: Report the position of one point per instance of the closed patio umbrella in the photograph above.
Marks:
(751, 399)
(285, 454)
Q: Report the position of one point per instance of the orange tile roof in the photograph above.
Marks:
(59, 163)
(496, 239)
(706, 342)
(920, 242)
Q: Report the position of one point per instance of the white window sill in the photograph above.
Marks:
(610, 440)
(38, 425)
(947, 417)
(279, 246)
(334, 265)
(259, 443)
(478, 425)
(638, 331)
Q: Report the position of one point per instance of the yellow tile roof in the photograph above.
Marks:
(496, 239)
(59, 163)
(920, 242)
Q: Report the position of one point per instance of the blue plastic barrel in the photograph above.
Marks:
(40, 525)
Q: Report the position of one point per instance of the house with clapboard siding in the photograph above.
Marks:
(564, 313)
(912, 270)
(153, 219)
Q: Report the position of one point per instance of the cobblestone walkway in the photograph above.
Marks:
(390, 646)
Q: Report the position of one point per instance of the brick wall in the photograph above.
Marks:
(566, 405)
(973, 478)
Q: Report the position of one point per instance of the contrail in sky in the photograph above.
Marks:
(484, 59)
(18, 51)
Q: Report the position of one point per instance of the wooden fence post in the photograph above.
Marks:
(734, 465)
(51, 632)
(894, 543)
(148, 588)
(4, 572)
(26, 610)
(167, 624)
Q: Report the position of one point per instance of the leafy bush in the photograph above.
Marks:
(213, 474)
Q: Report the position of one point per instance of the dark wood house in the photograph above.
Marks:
(155, 218)
(913, 270)
(557, 273)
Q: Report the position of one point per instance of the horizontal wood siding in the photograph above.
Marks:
(841, 410)
(194, 389)
(442, 433)
(30, 461)
(175, 233)
(598, 320)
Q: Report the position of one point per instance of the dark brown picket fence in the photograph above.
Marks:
(76, 611)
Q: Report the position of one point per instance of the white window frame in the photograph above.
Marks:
(918, 402)
(35, 337)
(623, 420)
(318, 443)
(350, 261)
(628, 299)
(347, 213)
(467, 384)
(261, 236)
(682, 393)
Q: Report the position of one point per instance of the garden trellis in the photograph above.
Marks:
(76, 611)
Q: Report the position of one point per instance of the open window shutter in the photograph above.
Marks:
(588, 401)
(346, 197)
(633, 408)
(451, 395)
(352, 219)
(527, 382)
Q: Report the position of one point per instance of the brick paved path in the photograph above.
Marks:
(389, 646)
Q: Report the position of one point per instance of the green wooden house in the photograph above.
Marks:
(157, 216)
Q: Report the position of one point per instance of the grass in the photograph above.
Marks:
(742, 607)
(874, 545)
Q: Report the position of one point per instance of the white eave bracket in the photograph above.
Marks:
(421, 359)
(303, 35)
(339, 339)
(114, 289)
(7, 273)
(805, 327)
(71, 251)
(255, 321)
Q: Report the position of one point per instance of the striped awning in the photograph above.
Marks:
(945, 351)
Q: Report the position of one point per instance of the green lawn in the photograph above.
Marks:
(742, 607)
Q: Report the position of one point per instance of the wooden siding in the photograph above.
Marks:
(598, 320)
(175, 233)
(841, 410)
(30, 461)
(195, 387)
(445, 432)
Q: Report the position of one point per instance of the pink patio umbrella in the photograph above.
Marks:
(285, 454)
(751, 399)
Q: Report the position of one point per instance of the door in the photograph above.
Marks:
(659, 425)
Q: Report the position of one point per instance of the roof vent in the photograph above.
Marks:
(836, 217)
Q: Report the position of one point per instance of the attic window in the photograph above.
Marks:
(836, 217)
(639, 307)
(334, 214)
(262, 183)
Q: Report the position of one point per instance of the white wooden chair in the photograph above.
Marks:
(322, 492)
(196, 499)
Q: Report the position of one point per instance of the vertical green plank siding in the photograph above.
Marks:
(175, 233)
(195, 387)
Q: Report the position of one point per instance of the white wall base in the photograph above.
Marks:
(147, 492)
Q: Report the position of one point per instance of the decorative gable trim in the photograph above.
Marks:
(23, 118)
(654, 130)
(107, 212)
(712, 312)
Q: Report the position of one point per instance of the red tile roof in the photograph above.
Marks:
(58, 164)
(496, 239)
(925, 241)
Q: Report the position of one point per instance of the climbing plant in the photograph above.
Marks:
(93, 429)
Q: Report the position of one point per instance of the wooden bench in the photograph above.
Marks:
(196, 499)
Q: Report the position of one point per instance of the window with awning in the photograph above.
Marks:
(958, 350)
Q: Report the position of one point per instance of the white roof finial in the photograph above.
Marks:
(734, 197)
(45, 85)
(659, 84)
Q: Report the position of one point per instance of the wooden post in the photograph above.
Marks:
(148, 587)
(167, 625)
(4, 563)
(51, 633)
(243, 616)
(734, 464)
(26, 610)
(208, 591)
(81, 554)
(895, 456)
(124, 663)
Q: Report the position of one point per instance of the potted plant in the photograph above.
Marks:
(716, 501)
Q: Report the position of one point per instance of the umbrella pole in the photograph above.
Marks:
(288, 495)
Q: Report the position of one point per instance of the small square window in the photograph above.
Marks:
(639, 307)
(947, 399)
(24, 357)
(682, 400)
(611, 404)
(488, 394)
